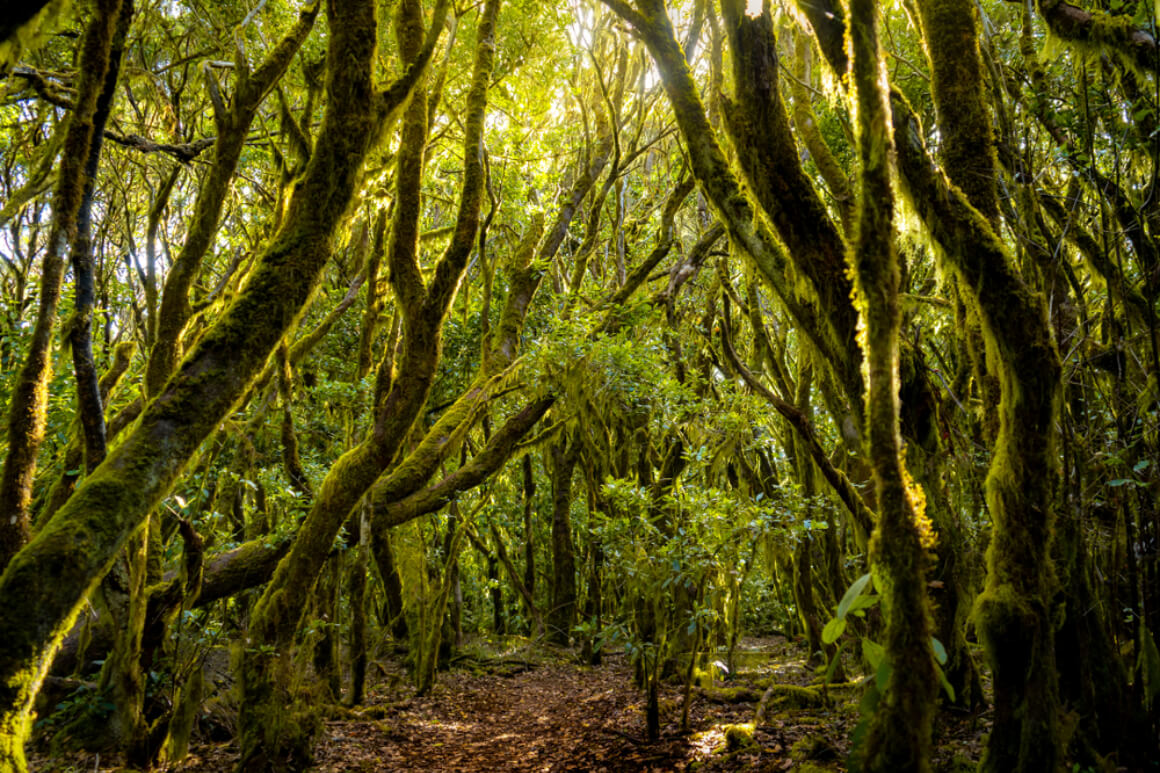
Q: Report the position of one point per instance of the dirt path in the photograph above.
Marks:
(553, 718)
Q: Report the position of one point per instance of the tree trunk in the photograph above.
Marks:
(99, 65)
(899, 737)
(562, 614)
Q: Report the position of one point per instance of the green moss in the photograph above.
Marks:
(1013, 613)
(968, 149)
(813, 747)
(738, 736)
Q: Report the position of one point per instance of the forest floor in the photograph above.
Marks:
(527, 710)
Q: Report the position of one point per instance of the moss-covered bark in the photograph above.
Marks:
(233, 126)
(121, 676)
(767, 155)
(1013, 616)
(900, 731)
(271, 741)
(80, 326)
(715, 177)
(1113, 34)
(29, 400)
(357, 583)
(562, 613)
(806, 124)
(44, 585)
(967, 150)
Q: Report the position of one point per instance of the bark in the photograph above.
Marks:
(233, 125)
(29, 401)
(44, 586)
(900, 731)
(80, 327)
(562, 613)
(357, 582)
(717, 180)
(768, 156)
(967, 150)
(529, 497)
(392, 585)
(1013, 615)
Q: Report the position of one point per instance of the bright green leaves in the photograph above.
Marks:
(855, 601)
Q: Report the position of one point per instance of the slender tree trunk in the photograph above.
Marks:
(900, 731)
(357, 582)
(384, 554)
(562, 614)
(529, 495)
(29, 402)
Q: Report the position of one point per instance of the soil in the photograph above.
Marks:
(529, 711)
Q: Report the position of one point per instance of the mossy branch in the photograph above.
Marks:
(1115, 35)
(29, 398)
(233, 125)
(44, 586)
(767, 154)
(863, 516)
(717, 180)
(498, 449)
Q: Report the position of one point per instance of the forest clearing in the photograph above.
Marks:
(622, 384)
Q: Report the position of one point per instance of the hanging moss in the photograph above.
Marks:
(1097, 32)
(1013, 616)
(967, 149)
(899, 736)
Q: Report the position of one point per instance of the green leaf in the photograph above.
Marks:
(874, 652)
(942, 679)
(882, 675)
(864, 601)
(1120, 482)
(852, 593)
(940, 652)
(833, 630)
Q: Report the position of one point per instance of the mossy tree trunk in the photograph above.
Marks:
(528, 493)
(1013, 614)
(357, 583)
(271, 736)
(45, 584)
(900, 731)
(562, 612)
(758, 123)
(29, 400)
(724, 192)
(384, 555)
